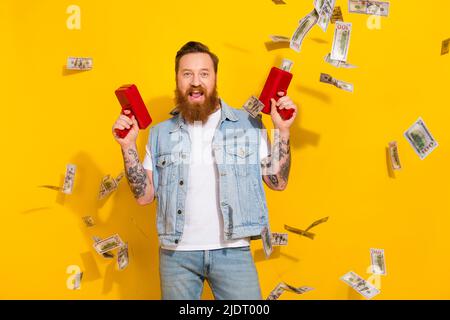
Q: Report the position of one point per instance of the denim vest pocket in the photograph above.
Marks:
(239, 156)
(166, 165)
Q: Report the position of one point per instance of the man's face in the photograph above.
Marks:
(196, 93)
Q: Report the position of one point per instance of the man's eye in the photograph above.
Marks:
(204, 74)
(187, 74)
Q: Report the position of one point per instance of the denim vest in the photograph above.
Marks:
(235, 147)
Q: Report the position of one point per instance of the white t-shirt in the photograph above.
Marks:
(203, 226)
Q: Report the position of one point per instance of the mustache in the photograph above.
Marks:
(193, 89)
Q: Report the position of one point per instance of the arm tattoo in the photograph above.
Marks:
(277, 165)
(135, 172)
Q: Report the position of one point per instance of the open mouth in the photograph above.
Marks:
(196, 95)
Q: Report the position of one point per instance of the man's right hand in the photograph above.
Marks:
(123, 122)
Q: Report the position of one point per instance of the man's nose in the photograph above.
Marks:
(195, 82)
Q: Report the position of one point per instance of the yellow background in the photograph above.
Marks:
(51, 117)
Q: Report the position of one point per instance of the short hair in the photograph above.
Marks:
(195, 47)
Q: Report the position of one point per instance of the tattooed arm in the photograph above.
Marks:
(139, 179)
(276, 167)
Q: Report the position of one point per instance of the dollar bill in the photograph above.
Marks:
(303, 28)
(279, 239)
(393, 154)
(326, 78)
(51, 187)
(74, 63)
(69, 179)
(122, 257)
(77, 280)
(445, 48)
(318, 4)
(378, 262)
(108, 255)
(377, 8)
(278, 38)
(88, 221)
(286, 65)
(253, 106)
(278, 2)
(325, 13)
(316, 223)
(109, 185)
(108, 244)
(266, 238)
(282, 287)
(341, 41)
(337, 15)
(78, 63)
(307, 234)
(337, 63)
(421, 139)
(360, 285)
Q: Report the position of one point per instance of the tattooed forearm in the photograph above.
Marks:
(276, 166)
(135, 172)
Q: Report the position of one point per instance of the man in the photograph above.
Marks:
(204, 165)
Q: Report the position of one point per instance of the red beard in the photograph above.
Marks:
(192, 112)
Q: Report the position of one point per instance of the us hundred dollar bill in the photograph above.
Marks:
(377, 8)
(337, 63)
(253, 106)
(393, 155)
(420, 138)
(74, 63)
(122, 257)
(286, 65)
(69, 179)
(378, 262)
(279, 239)
(341, 41)
(302, 30)
(360, 285)
(282, 287)
(326, 78)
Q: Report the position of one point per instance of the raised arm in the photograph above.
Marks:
(276, 167)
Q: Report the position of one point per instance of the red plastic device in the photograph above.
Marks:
(130, 99)
(278, 80)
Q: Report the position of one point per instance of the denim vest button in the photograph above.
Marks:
(181, 182)
(176, 241)
(179, 211)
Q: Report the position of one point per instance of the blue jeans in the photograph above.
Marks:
(230, 272)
